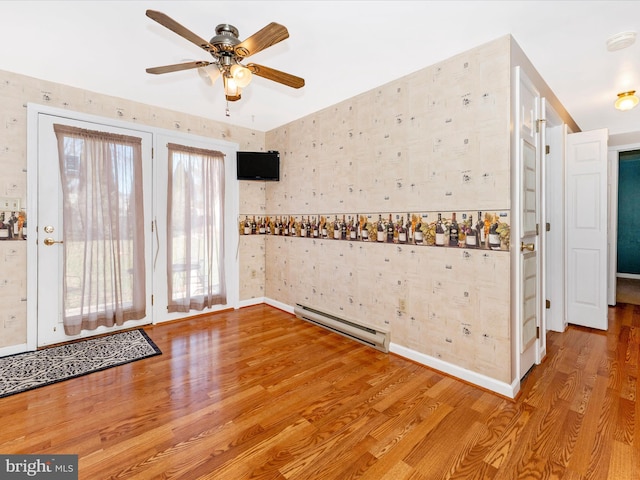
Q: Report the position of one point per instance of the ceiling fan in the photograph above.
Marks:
(228, 53)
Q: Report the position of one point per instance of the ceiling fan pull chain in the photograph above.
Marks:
(226, 112)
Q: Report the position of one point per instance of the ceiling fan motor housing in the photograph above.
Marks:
(226, 39)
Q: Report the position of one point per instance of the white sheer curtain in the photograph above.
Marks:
(103, 250)
(195, 206)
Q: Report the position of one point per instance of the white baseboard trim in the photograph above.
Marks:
(279, 305)
(269, 301)
(628, 275)
(13, 349)
(250, 302)
(501, 388)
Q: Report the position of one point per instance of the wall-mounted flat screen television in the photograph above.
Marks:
(258, 165)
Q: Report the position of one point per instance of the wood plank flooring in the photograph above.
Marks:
(628, 290)
(258, 394)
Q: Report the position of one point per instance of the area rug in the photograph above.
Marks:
(26, 371)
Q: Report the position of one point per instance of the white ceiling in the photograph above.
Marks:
(341, 48)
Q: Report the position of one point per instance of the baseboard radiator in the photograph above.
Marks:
(366, 334)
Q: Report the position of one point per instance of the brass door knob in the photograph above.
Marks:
(50, 241)
(527, 246)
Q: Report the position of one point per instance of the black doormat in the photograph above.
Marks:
(26, 371)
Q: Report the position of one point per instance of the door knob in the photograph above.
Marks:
(527, 246)
(50, 241)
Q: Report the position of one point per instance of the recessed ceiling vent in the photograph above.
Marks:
(621, 40)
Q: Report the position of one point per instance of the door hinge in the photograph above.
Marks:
(537, 229)
(152, 299)
(152, 151)
(538, 122)
(547, 303)
(548, 227)
(537, 332)
(547, 149)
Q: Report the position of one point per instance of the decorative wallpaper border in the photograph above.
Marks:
(13, 225)
(440, 229)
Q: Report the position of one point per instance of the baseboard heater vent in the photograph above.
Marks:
(366, 334)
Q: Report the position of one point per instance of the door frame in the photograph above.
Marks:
(554, 239)
(231, 205)
(613, 159)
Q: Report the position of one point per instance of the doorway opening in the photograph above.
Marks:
(628, 220)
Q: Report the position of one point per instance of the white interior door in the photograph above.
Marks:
(49, 256)
(587, 228)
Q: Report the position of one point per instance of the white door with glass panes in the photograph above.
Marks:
(527, 246)
(47, 283)
(62, 268)
(185, 262)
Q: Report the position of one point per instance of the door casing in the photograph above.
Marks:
(614, 162)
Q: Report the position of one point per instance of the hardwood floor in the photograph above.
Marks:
(258, 394)
(628, 290)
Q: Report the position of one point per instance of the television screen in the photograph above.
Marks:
(258, 165)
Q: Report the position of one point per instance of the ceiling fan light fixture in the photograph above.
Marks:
(209, 74)
(626, 100)
(230, 87)
(241, 75)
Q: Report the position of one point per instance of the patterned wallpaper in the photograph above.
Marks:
(434, 141)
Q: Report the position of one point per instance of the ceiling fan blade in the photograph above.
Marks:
(269, 35)
(185, 33)
(176, 67)
(276, 75)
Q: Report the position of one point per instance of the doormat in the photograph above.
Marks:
(26, 371)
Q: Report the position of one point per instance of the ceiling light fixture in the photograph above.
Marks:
(209, 74)
(241, 75)
(231, 89)
(626, 100)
